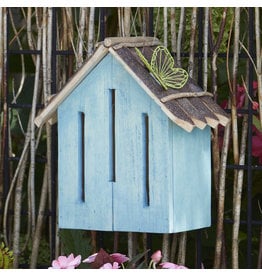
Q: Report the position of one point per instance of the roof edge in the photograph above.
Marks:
(183, 124)
(52, 106)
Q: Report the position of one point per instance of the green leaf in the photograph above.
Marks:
(137, 258)
(256, 123)
(76, 242)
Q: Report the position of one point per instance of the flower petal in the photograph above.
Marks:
(55, 264)
(157, 256)
(119, 258)
(172, 266)
(75, 262)
(90, 259)
(62, 260)
(106, 266)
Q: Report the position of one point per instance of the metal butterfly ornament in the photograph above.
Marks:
(162, 68)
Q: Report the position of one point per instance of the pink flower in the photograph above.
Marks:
(255, 105)
(110, 266)
(240, 96)
(119, 258)
(64, 262)
(172, 266)
(156, 257)
(90, 259)
(257, 145)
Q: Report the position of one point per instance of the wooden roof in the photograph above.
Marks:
(188, 107)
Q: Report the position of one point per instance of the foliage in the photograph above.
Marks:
(75, 241)
(6, 257)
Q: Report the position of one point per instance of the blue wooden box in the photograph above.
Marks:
(127, 161)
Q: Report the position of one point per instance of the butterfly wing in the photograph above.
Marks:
(162, 64)
(148, 65)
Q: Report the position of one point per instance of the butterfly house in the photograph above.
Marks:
(134, 135)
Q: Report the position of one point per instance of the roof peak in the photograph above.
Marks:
(135, 41)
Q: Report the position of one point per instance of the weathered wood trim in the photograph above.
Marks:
(219, 112)
(51, 108)
(139, 41)
(185, 95)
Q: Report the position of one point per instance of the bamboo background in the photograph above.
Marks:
(78, 30)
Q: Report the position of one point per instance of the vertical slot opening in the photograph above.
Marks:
(145, 137)
(112, 138)
(82, 155)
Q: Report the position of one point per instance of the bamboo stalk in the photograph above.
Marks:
(40, 220)
(21, 173)
(30, 38)
(192, 43)
(116, 242)
(165, 248)
(144, 240)
(70, 31)
(181, 258)
(165, 25)
(32, 133)
(1, 48)
(22, 80)
(179, 36)
(2, 88)
(44, 53)
(81, 32)
(46, 64)
(93, 235)
(235, 132)
(90, 44)
(131, 244)
(173, 29)
(127, 17)
(205, 43)
(258, 61)
(234, 85)
(238, 195)
(17, 183)
(120, 22)
(47, 94)
(221, 198)
(215, 140)
(173, 247)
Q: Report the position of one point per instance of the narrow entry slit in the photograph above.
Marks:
(112, 146)
(145, 137)
(82, 155)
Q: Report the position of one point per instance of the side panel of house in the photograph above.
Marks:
(85, 191)
(142, 198)
(192, 179)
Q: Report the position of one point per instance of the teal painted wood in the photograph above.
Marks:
(142, 173)
(90, 98)
(192, 179)
(131, 212)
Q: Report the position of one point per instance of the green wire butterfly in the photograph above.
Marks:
(162, 68)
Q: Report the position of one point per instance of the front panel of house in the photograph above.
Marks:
(123, 163)
(114, 155)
